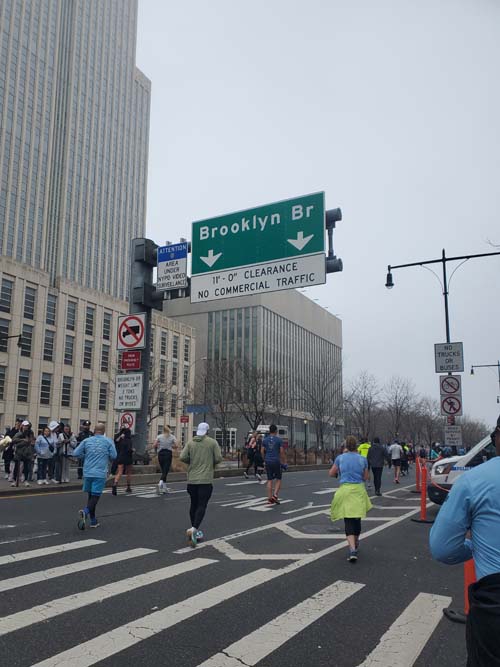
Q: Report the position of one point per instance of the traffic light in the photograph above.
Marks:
(333, 263)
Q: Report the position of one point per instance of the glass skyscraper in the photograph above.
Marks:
(74, 126)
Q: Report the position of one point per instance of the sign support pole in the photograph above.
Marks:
(141, 273)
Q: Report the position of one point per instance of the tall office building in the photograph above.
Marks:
(74, 125)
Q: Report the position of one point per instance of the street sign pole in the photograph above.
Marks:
(141, 273)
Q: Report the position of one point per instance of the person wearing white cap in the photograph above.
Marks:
(54, 435)
(201, 454)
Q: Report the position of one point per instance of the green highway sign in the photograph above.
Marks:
(262, 249)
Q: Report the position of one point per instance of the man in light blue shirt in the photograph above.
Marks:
(473, 505)
(96, 451)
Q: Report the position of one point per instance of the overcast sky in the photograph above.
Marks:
(392, 108)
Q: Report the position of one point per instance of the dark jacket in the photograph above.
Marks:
(376, 456)
(124, 447)
(24, 446)
(83, 435)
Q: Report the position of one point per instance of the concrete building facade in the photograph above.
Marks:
(67, 361)
(281, 332)
(74, 128)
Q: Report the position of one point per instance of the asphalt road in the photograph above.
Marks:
(269, 586)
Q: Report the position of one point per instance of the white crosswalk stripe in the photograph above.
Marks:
(48, 551)
(43, 612)
(255, 647)
(71, 568)
(404, 640)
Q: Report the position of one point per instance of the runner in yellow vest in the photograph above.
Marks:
(363, 449)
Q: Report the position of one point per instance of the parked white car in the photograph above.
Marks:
(445, 472)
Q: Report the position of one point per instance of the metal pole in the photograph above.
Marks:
(445, 294)
(141, 274)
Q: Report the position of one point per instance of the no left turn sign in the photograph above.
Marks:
(131, 332)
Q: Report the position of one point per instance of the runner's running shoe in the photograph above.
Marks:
(353, 556)
(82, 520)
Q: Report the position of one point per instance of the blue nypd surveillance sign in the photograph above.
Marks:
(172, 267)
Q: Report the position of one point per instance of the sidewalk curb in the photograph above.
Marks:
(137, 480)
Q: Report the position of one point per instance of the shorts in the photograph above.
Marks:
(273, 470)
(396, 463)
(94, 485)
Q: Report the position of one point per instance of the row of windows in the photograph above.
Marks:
(30, 293)
(46, 384)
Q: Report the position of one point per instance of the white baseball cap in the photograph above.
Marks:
(202, 428)
(53, 425)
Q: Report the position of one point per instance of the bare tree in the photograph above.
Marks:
(398, 395)
(322, 398)
(362, 405)
(218, 387)
(256, 392)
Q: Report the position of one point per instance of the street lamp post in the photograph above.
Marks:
(445, 284)
(18, 336)
(305, 441)
(497, 366)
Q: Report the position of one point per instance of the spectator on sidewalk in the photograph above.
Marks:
(85, 432)
(7, 453)
(66, 443)
(24, 453)
(54, 428)
(472, 508)
(44, 449)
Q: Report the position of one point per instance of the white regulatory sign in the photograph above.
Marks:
(172, 267)
(449, 357)
(453, 435)
(127, 420)
(131, 332)
(128, 391)
(450, 384)
(451, 406)
(259, 278)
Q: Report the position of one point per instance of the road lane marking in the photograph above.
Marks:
(324, 491)
(259, 644)
(48, 551)
(403, 642)
(251, 481)
(53, 608)
(125, 636)
(70, 568)
(235, 554)
(108, 644)
(299, 535)
(26, 538)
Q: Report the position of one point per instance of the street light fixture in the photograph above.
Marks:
(18, 336)
(445, 282)
(497, 366)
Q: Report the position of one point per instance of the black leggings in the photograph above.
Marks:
(165, 461)
(377, 478)
(200, 495)
(91, 504)
(352, 527)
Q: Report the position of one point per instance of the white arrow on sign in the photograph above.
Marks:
(211, 259)
(300, 242)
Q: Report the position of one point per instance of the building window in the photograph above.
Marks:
(68, 350)
(6, 295)
(45, 387)
(175, 347)
(173, 407)
(106, 325)
(71, 316)
(175, 373)
(161, 404)
(163, 343)
(187, 345)
(48, 345)
(105, 358)
(103, 396)
(163, 370)
(4, 332)
(87, 354)
(29, 303)
(186, 376)
(85, 398)
(26, 340)
(3, 372)
(23, 385)
(66, 391)
(89, 321)
(50, 317)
